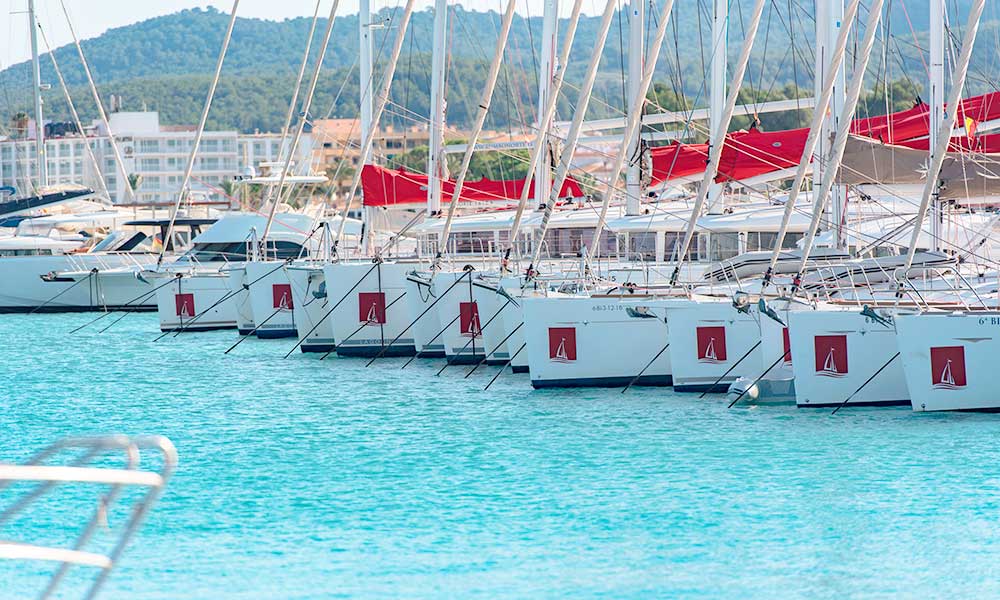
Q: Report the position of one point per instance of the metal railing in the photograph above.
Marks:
(42, 477)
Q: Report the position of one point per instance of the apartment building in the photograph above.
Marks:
(155, 155)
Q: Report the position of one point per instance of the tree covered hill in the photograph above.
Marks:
(165, 64)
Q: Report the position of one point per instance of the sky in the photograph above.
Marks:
(91, 18)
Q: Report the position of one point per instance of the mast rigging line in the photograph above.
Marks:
(100, 105)
(306, 106)
(376, 116)
(76, 117)
(182, 194)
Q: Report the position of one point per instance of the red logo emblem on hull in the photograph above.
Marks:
(562, 344)
(948, 367)
(786, 344)
(831, 355)
(282, 295)
(371, 308)
(468, 313)
(711, 344)
(185, 305)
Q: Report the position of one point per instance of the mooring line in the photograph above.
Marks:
(756, 381)
(75, 283)
(330, 312)
(488, 354)
(254, 330)
(136, 299)
(420, 316)
(417, 355)
(867, 381)
(504, 367)
(730, 369)
(649, 364)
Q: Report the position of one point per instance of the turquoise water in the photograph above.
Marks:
(306, 479)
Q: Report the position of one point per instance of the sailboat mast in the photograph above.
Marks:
(547, 72)
(717, 87)
(365, 65)
(938, 151)
(36, 82)
(633, 177)
(435, 160)
(719, 137)
(828, 29)
(937, 17)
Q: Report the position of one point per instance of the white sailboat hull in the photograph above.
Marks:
(372, 317)
(711, 344)
(950, 360)
(834, 353)
(314, 327)
(271, 299)
(194, 302)
(576, 341)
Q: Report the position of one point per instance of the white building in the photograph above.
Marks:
(158, 153)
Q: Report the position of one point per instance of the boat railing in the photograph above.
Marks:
(41, 474)
(941, 275)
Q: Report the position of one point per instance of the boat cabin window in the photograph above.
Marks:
(27, 252)
(568, 241)
(475, 242)
(641, 245)
(237, 251)
(764, 240)
(673, 241)
(281, 250)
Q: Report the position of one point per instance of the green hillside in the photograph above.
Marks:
(165, 63)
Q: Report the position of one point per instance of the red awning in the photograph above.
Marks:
(388, 187)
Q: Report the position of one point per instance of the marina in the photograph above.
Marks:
(652, 340)
(298, 478)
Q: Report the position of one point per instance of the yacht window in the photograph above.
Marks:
(471, 242)
(282, 250)
(27, 252)
(723, 246)
(764, 240)
(642, 245)
(673, 241)
(568, 241)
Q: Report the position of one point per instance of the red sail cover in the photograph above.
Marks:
(678, 160)
(388, 187)
(746, 154)
(751, 153)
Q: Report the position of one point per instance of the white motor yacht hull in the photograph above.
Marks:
(77, 287)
